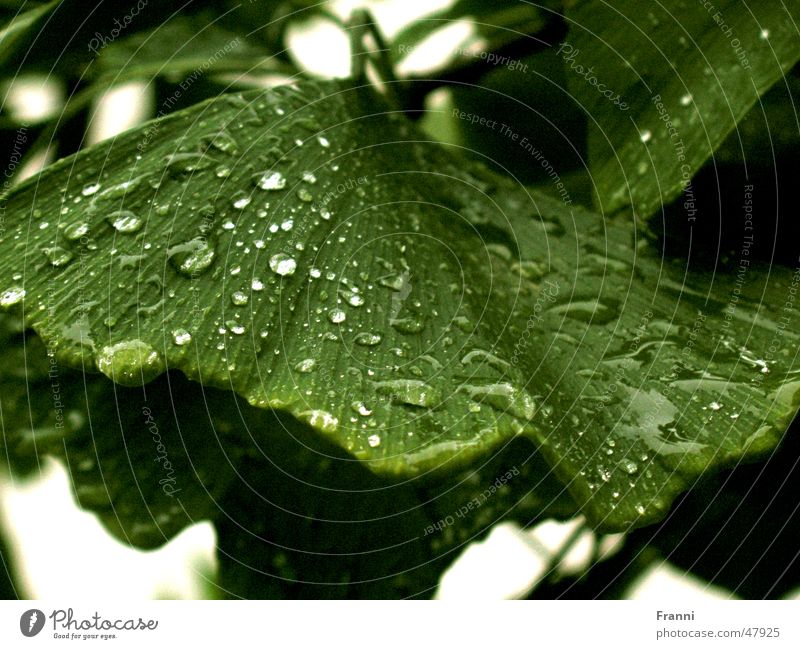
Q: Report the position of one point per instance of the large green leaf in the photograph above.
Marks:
(664, 86)
(306, 250)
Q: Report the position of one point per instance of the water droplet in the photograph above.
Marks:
(504, 397)
(271, 180)
(410, 392)
(316, 273)
(282, 264)
(645, 136)
(239, 298)
(193, 257)
(715, 405)
(75, 231)
(374, 440)
(686, 100)
(764, 34)
(90, 189)
(58, 256)
(407, 325)
(337, 316)
(309, 177)
(320, 419)
(188, 162)
(131, 362)
(222, 141)
(241, 200)
(257, 284)
(323, 141)
(484, 357)
(306, 365)
(125, 221)
(12, 296)
(304, 195)
(181, 337)
(368, 339)
(361, 408)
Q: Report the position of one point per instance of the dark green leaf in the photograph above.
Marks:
(183, 49)
(664, 86)
(304, 249)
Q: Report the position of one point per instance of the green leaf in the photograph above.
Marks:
(665, 86)
(305, 249)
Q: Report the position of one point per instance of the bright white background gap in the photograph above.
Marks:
(63, 552)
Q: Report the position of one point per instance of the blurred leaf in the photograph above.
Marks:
(320, 526)
(183, 49)
(686, 73)
(496, 23)
(22, 30)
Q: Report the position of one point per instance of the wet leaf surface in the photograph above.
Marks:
(305, 249)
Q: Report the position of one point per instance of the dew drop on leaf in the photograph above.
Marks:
(337, 316)
(282, 264)
(410, 392)
(58, 256)
(12, 296)
(131, 362)
(193, 257)
(306, 366)
(75, 231)
(90, 189)
(368, 339)
(271, 180)
(181, 337)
